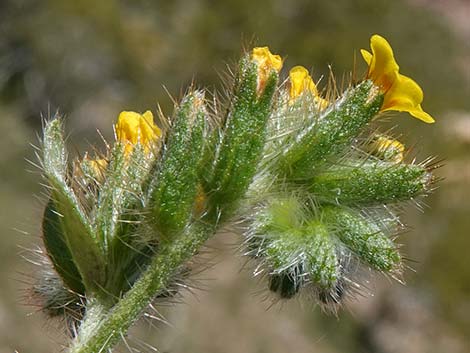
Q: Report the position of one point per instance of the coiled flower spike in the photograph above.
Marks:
(317, 230)
(313, 188)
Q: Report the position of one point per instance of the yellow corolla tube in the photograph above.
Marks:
(301, 82)
(133, 128)
(401, 93)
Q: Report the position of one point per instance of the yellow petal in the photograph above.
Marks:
(300, 81)
(148, 117)
(422, 115)
(99, 164)
(385, 143)
(87, 168)
(367, 56)
(405, 95)
(127, 127)
(149, 130)
(99, 167)
(388, 148)
(322, 103)
(405, 89)
(401, 93)
(383, 68)
(133, 128)
(266, 62)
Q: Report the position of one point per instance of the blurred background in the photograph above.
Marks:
(91, 59)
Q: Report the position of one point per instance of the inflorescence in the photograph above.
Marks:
(315, 185)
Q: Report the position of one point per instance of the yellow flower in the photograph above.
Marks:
(90, 167)
(133, 128)
(266, 62)
(390, 149)
(300, 82)
(401, 93)
(99, 167)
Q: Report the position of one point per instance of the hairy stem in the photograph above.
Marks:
(102, 331)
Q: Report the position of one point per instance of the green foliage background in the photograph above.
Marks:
(92, 59)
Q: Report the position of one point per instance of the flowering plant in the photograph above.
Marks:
(308, 175)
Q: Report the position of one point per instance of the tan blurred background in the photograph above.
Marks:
(92, 59)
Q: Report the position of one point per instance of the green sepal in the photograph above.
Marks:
(110, 200)
(81, 241)
(118, 216)
(281, 214)
(54, 157)
(392, 152)
(364, 237)
(207, 165)
(58, 251)
(295, 245)
(370, 183)
(121, 191)
(175, 183)
(331, 133)
(322, 262)
(243, 138)
(310, 248)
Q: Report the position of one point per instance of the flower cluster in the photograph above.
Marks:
(313, 229)
(310, 177)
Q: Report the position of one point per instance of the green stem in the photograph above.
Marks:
(100, 331)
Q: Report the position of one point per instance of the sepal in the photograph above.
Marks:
(175, 182)
(243, 138)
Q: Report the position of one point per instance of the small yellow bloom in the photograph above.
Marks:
(401, 93)
(266, 62)
(390, 149)
(90, 167)
(133, 128)
(300, 82)
(99, 166)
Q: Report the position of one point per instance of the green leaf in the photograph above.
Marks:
(57, 250)
(81, 240)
